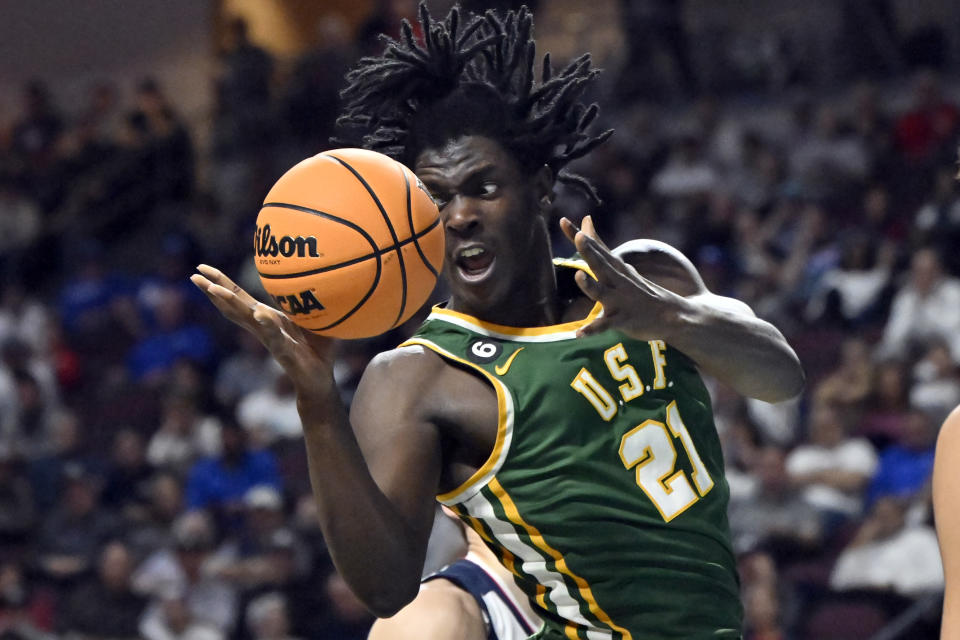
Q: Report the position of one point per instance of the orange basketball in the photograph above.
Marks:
(349, 243)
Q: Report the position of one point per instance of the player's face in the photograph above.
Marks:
(496, 241)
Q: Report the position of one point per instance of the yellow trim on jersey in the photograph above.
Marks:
(524, 332)
(520, 332)
(504, 423)
(513, 514)
(508, 560)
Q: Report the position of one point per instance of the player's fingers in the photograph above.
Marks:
(587, 227)
(601, 261)
(225, 301)
(218, 277)
(597, 325)
(590, 287)
(569, 229)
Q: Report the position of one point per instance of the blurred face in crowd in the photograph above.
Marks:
(233, 441)
(891, 387)
(128, 452)
(116, 565)
(169, 309)
(80, 496)
(889, 515)
(176, 614)
(826, 426)
(918, 432)
(854, 352)
(925, 270)
(771, 471)
(166, 497)
(271, 622)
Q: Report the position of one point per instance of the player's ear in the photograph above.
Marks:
(543, 181)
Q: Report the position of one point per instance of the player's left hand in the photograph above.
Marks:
(631, 303)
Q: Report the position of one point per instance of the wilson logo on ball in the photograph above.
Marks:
(302, 303)
(267, 245)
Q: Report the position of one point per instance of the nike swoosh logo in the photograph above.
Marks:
(506, 365)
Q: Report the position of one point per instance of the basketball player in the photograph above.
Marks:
(472, 598)
(555, 406)
(946, 488)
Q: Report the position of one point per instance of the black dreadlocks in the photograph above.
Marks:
(474, 78)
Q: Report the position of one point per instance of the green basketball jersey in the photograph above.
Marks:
(605, 493)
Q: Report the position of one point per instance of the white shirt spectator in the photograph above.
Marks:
(907, 563)
(927, 308)
(271, 413)
(854, 456)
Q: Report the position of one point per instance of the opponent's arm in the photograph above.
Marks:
(441, 611)
(670, 302)
(946, 485)
(374, 480)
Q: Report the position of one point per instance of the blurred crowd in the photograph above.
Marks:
(152, 475)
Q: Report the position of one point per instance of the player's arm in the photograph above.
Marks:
(441, 611)
(946, 485)
(374, 474)
(670, 301)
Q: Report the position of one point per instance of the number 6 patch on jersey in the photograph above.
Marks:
(484, 350)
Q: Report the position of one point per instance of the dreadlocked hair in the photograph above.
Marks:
(472, 76)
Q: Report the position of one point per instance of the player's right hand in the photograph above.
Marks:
(306, 357)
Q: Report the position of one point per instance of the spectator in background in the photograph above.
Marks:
(926, 308)
(104, 605)
(183, 575)
(687, 174)
(71, 535)
(932, 122)
(346, 618)
(32, 417)
(833, 470)
(175, 621)
(763, 619)
(270, 412)
(18, 509)
(126, 487)
(937, 221)
(151, 530)
(23, 317)
(185, 434)
(828, 161)
(220, 482)
(20, 222)
(936, 386)
(88, 300)
(244, 89)
(35, 134)
(48, 471)
(262, 519)
(850, 384)
(173, 337)
(312, 99)
(887, 404)
(887, 554)
(169, 144)
(26, 613)
(245, 370)
(775, 518)
(905, 467)
(850, 293)
(267, 618)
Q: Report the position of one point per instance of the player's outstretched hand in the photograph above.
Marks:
(631, 303)
(307, 358)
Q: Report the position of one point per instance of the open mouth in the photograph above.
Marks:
(474, 263)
